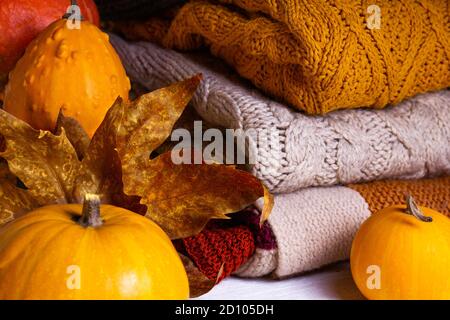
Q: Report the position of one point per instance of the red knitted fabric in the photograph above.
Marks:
(231, 246)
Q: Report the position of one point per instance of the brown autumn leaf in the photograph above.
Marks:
(268, 205)
(49, 167)
(183, 198)
(199, 284)
(74, 132)
(101, 170)
(47, 164)
(180, 198)
(149, 120)
(100, 167)
(14, 201)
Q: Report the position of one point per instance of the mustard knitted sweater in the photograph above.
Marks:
(319, 55)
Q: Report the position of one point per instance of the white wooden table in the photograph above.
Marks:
(334, 282)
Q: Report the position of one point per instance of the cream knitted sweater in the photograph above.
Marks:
(411, 140)
(312, 227)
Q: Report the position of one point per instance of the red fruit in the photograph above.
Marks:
(22, 20)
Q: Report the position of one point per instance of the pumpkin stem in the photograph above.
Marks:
(90, 216)
(413, 209)
(69, 14)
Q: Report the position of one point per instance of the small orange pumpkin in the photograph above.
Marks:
(88, 252)
(76, 70)
(403, 252)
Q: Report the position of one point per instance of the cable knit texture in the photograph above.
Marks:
(315, 226)
(409, 141)
(319, 55)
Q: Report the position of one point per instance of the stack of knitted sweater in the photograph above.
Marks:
(301, 60)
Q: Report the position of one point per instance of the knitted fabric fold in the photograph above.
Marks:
(408, 141)
(319, 56)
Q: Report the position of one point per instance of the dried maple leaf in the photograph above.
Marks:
(181, 198)
(152, 115)
(101, 171)
(268, 205)
(74, 132)
(101, 168)
(14, 201)
(149, 120)
(47, 164)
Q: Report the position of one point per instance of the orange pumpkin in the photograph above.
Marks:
(76, 70)
(88, 252)
(403, 252)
